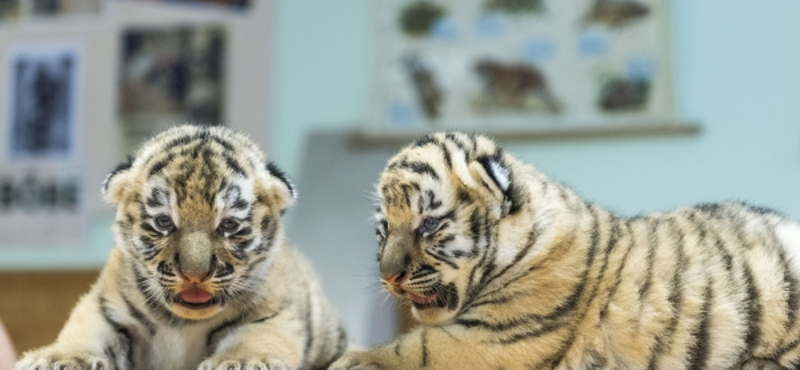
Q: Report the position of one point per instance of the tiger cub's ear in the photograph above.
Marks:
(490, 175)
(115, 183)
(281, 184)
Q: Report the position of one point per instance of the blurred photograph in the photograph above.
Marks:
(170, 76)
(43, 92)
(234, 4)
(521, 66)
(63, 7)
(34, 196)
(9, 10)
(615, 13)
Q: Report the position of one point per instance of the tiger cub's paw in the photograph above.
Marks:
(357, 360)
(223, 363)
(49, 359)
(760, 364)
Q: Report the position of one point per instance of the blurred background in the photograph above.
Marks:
(638, 105)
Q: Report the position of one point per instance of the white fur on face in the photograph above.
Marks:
(166, 199)
(502, 174)
(789, 235)
(240, 188)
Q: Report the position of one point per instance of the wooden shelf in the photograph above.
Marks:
(369, 140)
(36, 304)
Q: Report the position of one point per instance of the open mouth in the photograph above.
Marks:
(422, 302)
(196, 298)
(445, 296)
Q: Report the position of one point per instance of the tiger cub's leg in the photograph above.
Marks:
(440, 347)
(269, 343)
(406, 352)
(760, 364)
(89, 341)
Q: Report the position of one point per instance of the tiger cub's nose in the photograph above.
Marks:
(195, 278)
(196, 273)
(395, 279)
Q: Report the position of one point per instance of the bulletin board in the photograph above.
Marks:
(84, 82)
(522, 66)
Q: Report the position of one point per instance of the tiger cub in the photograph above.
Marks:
(506, 269)
(201, 276)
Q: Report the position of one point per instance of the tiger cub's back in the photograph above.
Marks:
(709, 285)
(508, 269)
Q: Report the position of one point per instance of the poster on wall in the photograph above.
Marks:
(62, 7)
(230, 4)
(9, 10)
(42, 93)
(17, 9)
(521, 65)
(41, 177)
(41, 205)
(170, 76)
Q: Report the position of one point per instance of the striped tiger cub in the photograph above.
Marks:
(201, 276)
(506, 269)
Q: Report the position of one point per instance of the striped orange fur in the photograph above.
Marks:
(507, 269)
(201, 276)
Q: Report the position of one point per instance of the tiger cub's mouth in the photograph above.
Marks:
(196, 298)
(422, 302)
(443, 296)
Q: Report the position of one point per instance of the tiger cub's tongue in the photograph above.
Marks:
(195, 295)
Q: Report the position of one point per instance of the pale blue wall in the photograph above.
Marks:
(322, 71)
(91, 254)
(738, 75)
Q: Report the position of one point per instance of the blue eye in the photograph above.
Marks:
(164, 222)
(429, 225)
(228, 225)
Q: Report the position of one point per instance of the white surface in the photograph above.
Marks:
(247, 90)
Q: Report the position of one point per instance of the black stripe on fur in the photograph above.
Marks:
(124, 340)
(124, 166)
(274, 170)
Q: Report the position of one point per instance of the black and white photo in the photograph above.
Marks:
(42, 96)
(63, 7)
(170, 76)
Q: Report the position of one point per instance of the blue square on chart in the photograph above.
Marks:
(445, 29)
(593, 43)
(641, 68)
(537, 50)
(491, 25)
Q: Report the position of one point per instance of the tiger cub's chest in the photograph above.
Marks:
(176, 348)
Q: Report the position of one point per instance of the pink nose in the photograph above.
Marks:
(395, 280)
(195, 278)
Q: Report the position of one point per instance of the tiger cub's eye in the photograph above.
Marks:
(384, 228)
(429, 225)
(164, 222)
(228, 225)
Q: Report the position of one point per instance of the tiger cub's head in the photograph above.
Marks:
(198, 218)
(440, 202)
